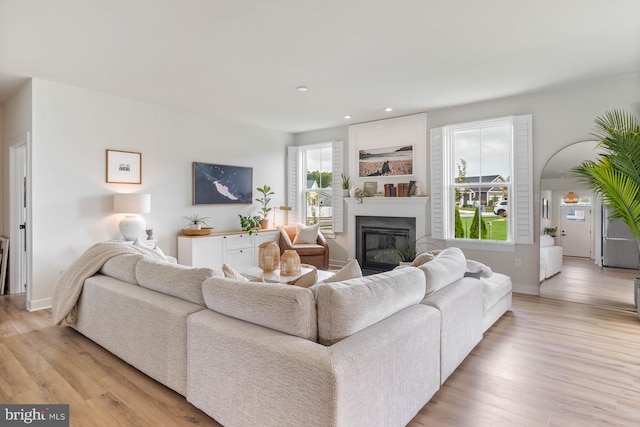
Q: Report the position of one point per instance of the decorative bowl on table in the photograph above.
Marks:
(205, 231)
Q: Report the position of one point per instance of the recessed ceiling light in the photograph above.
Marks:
(302, 88)
(388, 109)
(347, 116)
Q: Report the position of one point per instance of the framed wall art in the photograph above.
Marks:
(124, 167)
(221, 184)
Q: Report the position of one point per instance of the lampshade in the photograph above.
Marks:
(571, 197)
(132, 203)
(132, 225)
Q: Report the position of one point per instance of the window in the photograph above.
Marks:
(313, 171)
(481, 181)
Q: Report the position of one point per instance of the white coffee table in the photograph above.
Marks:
(276, 277)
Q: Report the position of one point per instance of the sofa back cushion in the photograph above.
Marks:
(347, 307)
(173, 279)
(449, 266)
(122, 267)
(284, 308)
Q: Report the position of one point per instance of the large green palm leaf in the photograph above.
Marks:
(615, 175)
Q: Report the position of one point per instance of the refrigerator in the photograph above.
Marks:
(619, 247)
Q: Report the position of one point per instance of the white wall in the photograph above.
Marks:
(561, 116)
(72, 204)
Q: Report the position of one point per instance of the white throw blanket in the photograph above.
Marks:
(69, 284)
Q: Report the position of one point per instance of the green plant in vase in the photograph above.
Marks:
(264, 201)
(195, 222)
(250, 223)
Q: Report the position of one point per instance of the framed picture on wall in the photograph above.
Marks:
(221, 184)
(386, 161)
(124, 167)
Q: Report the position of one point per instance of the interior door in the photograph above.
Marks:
(575, 229)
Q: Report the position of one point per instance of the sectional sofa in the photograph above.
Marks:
(368, 351)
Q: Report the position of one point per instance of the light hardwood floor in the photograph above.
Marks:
(545, 363)
(582, 281)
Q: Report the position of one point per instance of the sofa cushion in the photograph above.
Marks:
(494, 288)
(308, 279)
(477, 269)
(449, 266)
(173, 279)
(284, 308)
(304, 234)
(347, 307)
(122, 267)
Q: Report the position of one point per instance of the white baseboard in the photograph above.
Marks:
(39, 304)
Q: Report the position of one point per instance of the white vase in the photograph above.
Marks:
(352, 192)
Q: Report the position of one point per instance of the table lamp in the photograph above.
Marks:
(132, 225)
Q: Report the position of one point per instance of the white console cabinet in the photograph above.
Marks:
(236, 249)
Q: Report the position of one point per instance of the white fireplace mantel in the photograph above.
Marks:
(410, 207)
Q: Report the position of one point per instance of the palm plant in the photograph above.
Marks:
(615, 175)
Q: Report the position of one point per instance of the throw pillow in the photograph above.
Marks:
(306, 279)
(350, 271)
(230, 273)
(306, 235)
(477, 269)
(425, 257)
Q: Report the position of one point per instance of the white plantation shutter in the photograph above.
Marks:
(438, 211)
(337, 152)
(293, 187)
(522, 185)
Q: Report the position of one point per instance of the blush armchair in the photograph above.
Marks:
(316, 254)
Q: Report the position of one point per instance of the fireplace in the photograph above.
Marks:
(378, 238)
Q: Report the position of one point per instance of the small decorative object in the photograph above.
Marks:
(417, 191)
(195, 222)
(571, 197)
(268, 256)
(345, 185)
(289, 263)
(124, 167)
(370, 188)
(264, 201)
(149, 232)
(360, 194)
(250, 223)
(204, 231)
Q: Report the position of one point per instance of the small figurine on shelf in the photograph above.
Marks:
(149, 233)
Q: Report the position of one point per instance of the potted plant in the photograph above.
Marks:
(195, 222)
(360, 194)
(551, 231)
(406, 253)
(345, 185)
(264, 201)
(249, 223)
(615, 175)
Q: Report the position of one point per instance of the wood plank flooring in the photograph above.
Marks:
(582, 281)
(545, 363)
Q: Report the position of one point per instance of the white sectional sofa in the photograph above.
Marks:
(368, 351)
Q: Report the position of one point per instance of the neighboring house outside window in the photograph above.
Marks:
(315, 192)
(481, 182)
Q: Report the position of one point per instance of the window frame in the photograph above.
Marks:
(297, 190)
(521, 185)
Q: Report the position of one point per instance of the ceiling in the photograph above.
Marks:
(242, 60)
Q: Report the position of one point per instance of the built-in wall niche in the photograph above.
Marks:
(391, 151)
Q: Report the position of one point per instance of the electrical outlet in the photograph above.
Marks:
(518, 262)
